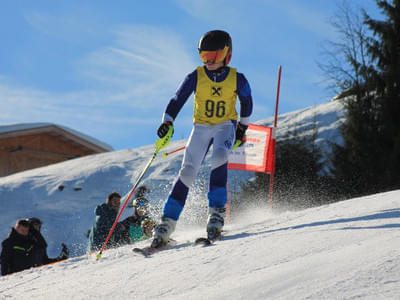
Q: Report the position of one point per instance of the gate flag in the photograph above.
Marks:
(256, 154)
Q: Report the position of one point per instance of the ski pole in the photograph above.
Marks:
(237, 143)
(160, 143)
(165, 154)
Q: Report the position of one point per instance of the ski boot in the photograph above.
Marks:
(215, 223)
(162, 233)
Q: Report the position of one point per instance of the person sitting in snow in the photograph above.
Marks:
(133, 224)
(17, 249)
(40, 256)
(148, 226)
(106, 214)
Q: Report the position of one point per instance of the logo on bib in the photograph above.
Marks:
(216, 91)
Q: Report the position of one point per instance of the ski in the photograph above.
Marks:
(148, 251)
(206, 241)
(203, 241)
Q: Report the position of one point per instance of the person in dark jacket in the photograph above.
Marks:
(17, 249)
(40, 256)
(106, 214)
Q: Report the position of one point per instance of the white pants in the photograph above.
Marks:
(221, 136)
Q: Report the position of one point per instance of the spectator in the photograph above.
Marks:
(140, 195)
(133, 224)
(17, 249)
(105, 218)
(148, 226)
(40, 256)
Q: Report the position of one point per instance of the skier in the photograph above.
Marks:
(216, 87)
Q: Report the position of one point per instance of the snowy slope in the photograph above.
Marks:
(346, 250)
(327, 117)
(68, 214)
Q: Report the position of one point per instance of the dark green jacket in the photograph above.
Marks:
(105, 217)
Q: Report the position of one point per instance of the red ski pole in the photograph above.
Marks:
(165, 154)
(161, 143)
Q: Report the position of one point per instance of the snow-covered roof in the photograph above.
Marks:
(33, 127)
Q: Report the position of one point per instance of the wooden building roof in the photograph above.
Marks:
(74, 136)
(32, 145)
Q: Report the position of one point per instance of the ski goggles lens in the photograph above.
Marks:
(141, 204)
(213, 56)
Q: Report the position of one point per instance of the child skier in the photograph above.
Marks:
(216, 87)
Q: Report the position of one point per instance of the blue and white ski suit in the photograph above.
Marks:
(218, 131)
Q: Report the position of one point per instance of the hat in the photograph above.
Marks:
(35, 221)
(22, 222)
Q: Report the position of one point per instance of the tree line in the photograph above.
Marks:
(363, 68)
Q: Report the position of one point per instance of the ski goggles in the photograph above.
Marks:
(213, 56)
(141, 204)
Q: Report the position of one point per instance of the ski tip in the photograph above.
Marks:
(203, 241)
(146, 252)
(140, 251)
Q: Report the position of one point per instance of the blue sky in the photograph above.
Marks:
(109, 68)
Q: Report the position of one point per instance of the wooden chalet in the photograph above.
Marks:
(28, 146)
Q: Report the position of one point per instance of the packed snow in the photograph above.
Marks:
(344, 250)
(64, 195)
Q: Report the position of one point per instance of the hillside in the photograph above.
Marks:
(346, 250)
(65, 195)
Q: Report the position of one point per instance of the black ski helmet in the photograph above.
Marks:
(215, 40)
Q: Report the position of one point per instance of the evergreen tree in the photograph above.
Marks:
(384, 48)
(369, 159)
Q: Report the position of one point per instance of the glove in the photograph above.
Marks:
(240, 133)
(163, 129)
(64, 252)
